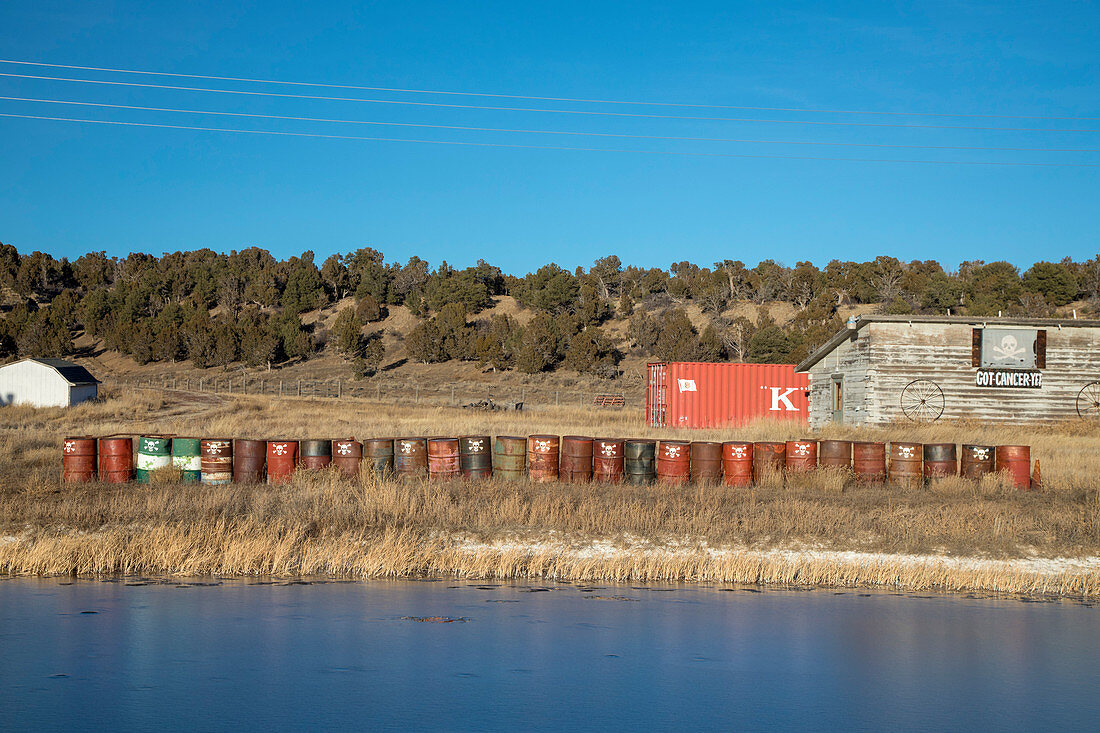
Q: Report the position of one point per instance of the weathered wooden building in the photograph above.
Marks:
(884, 368)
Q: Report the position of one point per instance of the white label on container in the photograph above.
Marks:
(687, 385)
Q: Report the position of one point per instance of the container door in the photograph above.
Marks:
(838, 399)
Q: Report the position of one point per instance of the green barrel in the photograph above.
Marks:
(509, 457)
(378, 455)
(185, 457)
(154, 453)
(640, 460)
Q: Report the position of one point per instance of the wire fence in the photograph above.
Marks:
(457, 394)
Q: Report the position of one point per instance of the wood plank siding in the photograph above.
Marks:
(879, 358)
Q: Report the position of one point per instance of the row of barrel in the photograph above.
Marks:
(570, 459)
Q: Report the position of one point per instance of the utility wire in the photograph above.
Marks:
(547, 132)
(553, 147)
(536, 109)
(542, 99)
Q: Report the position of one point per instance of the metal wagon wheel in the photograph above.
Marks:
(1088, 401)
(922, 400)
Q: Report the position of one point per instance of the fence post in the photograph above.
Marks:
(379, 386)
(417, 394)
(339, 389)
(555, 398)
(200, 383)
(299, 387)
(452, 395)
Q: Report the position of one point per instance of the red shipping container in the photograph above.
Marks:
(691, 394)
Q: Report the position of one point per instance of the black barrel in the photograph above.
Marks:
(314, 453)
(378, 455)
(475, 456)
(640, 460)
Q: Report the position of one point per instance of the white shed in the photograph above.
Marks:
(46, 383)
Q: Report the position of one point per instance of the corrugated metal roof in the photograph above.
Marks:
(976, 321)
(74, 374)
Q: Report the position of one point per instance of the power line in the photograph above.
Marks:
(542, 99)
(553, 147)
(548, 132)
(536, 109)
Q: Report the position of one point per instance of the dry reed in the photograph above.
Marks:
(321, 524)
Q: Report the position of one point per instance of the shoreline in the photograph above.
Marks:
(394, 554)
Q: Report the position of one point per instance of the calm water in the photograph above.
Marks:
(251, 656)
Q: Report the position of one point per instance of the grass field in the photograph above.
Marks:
(821, 529)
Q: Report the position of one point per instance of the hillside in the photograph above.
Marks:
(356, 318)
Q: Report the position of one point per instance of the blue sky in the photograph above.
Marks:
(67, 188)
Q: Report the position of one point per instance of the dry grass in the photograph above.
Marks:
(367, 528)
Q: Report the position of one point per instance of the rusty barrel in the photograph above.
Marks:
(607, 460)
(905, 467)
(835, 454)
(378, 454)
(314, 454)
(869, 462)
(1015, 461)
(217, 460)
(640, 460)
(153, 454)
(282, 459)
(116, 460)
(575, 466)
(443, 461)
(249, 460)
(801, 456)
(737, 463)
(187, 459)
(674, 462)
(542, 457)
(977, 461)
(509, 457)
(346, 456)
(705, 464)
(768, 457)
(78, 459)
(940, 460)
(410, 457)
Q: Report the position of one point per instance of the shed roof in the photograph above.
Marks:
(976, 321)
(74, 374)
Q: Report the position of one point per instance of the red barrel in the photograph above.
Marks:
(608, 460)
(346, 456)
(768, 458)
(869, 462)
(542, 457)
(674, 461)
(1015, 461)
(475, 456)
(249, 461)
(443, 458)
(410, 457)
(78, 459)
(116, 460)
(801, 456)
(737, 463)
(706, 461)
(940, 460)
(906, 467)
(977, 461)
(575, 466)
(835, 454)
(282, 459)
